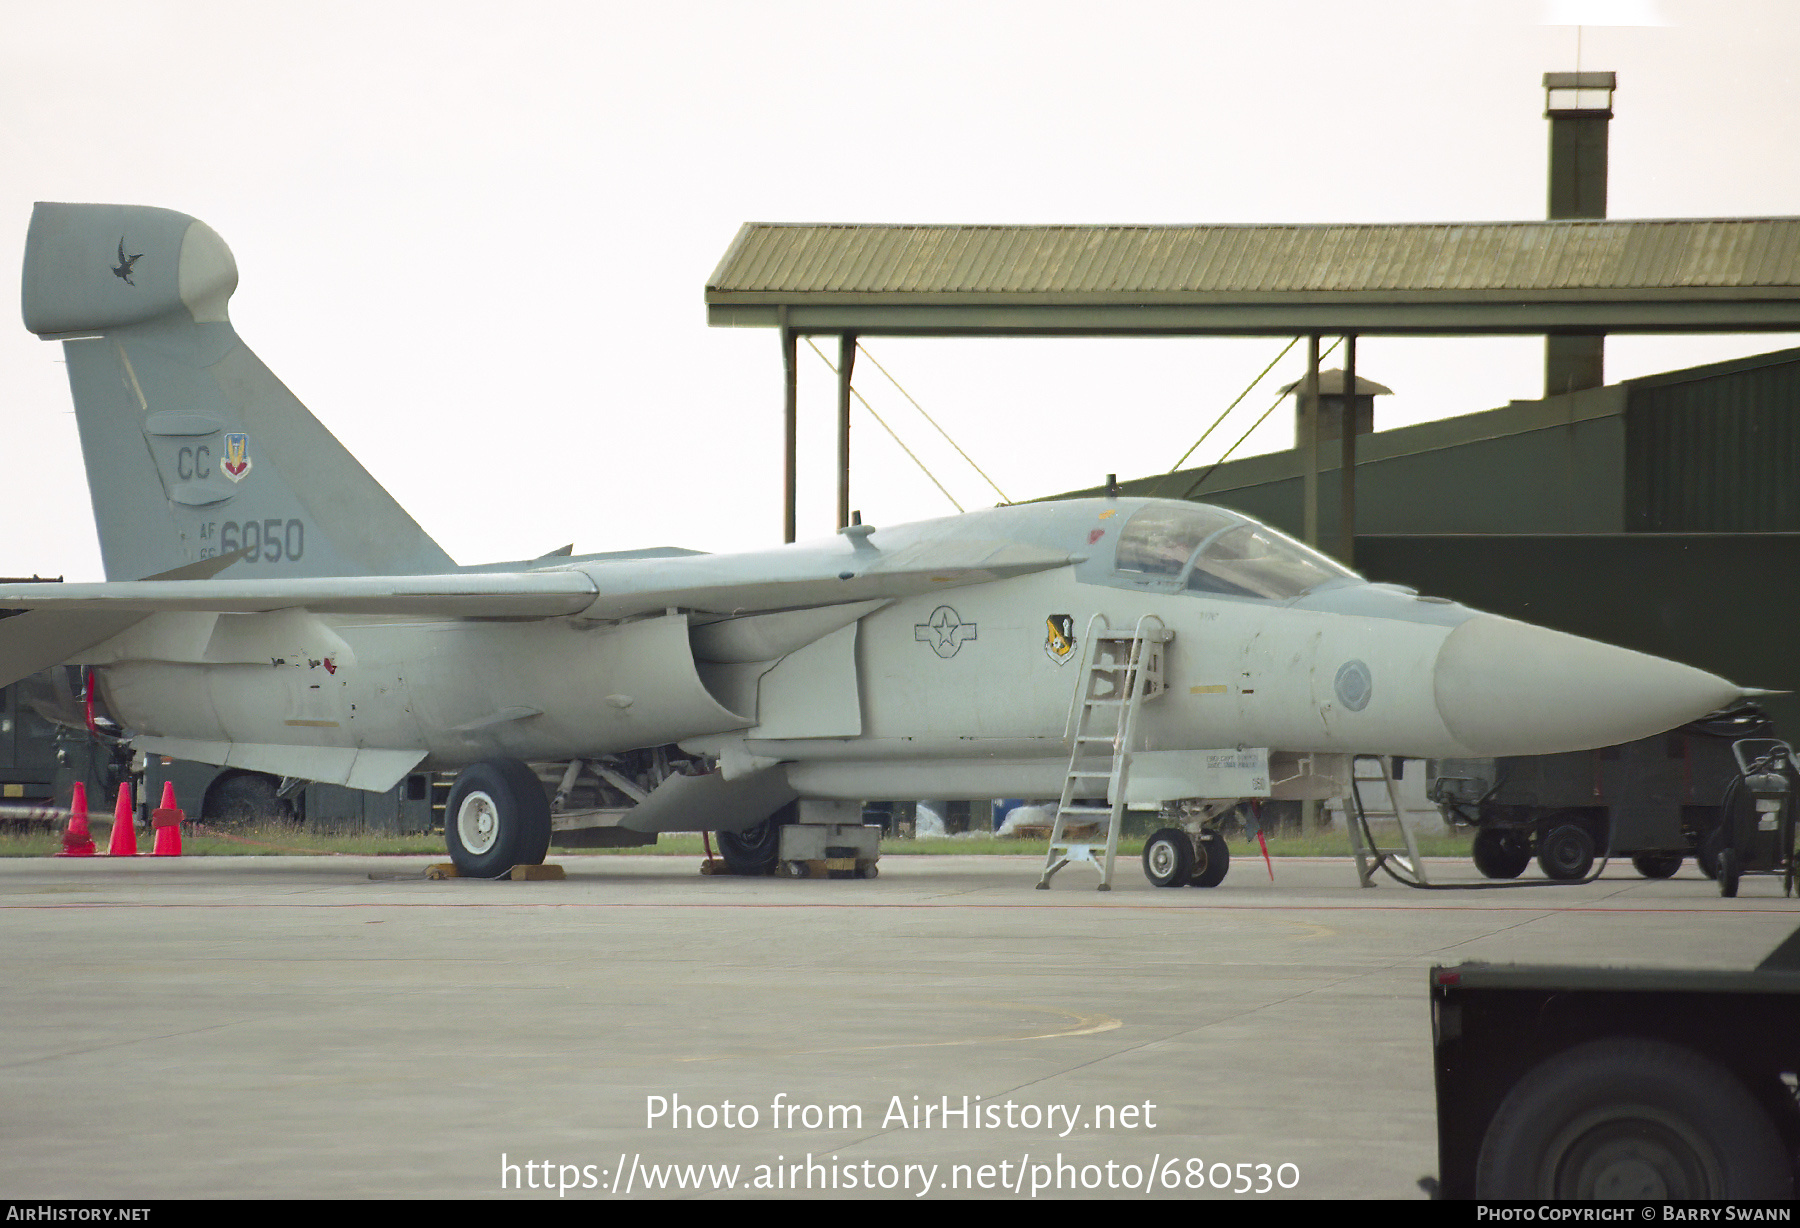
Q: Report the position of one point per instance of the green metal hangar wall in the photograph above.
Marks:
(1662, 514)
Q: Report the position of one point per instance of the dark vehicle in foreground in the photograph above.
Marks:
(1570, 1082)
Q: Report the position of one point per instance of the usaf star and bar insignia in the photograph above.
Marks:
(945, 631)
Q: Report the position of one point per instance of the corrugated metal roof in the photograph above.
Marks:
(1173, 264)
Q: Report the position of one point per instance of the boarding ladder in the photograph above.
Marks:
(1119, 671)
(1357, 815)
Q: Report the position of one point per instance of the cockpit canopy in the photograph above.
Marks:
(1207, 549)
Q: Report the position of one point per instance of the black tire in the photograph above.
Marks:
(246, 799)
(1632, 1119)
(1729, 870)
(1500, 853)
(1211, 861)
(755, 850)
(1656, 865)
(1707, 855)
(498, 817)
(1566, 853)
(1168, 858)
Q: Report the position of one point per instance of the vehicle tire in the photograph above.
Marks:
(755, 850)
(1500, 853)
(1707, 855)
(1168, 858)
(1728, 873)
(1628, 1118)
(1211, 861)
(1656, 865)
(246, 799)
(498, 817)
(1566, 853)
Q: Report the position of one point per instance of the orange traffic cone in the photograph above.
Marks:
(78, 841)
(124, 835)
(166, 819)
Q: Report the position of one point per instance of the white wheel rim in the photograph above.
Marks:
(477, 822)
(1162, 858)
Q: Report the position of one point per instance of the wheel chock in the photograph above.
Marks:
(830, 867)
(714, 865)
(518, 874)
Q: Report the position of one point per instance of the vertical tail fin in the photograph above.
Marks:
(193, 447)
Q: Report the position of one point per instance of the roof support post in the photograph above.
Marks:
(1347, 465)
(791, 439)
(1309, 444)
(846, 360)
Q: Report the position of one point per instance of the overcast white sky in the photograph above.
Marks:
(474, 237)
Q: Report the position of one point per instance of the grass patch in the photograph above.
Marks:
(1318, 844)
(241, 842)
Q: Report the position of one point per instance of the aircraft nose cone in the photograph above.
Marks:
(1508, 688)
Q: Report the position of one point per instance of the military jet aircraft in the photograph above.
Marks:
(270, 608)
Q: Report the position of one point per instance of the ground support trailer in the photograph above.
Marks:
(1569, 1082)
(1658, 801)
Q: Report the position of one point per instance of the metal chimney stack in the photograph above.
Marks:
(1579, 108)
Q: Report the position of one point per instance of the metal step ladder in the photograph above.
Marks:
(1356, 815)
(1119, 671)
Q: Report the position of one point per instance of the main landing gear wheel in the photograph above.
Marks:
(1211, 860)
(497, 818)
(1501, 854)
(1707, 855)
(755, 850)
(1168, 857)
(1567, 853)
(1636, 1119)
(246, 799)
(1656, 865)
(1729, 870)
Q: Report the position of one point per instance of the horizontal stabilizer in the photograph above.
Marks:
(44, 637)
(711, 803)
(39, 639)
(367, 768)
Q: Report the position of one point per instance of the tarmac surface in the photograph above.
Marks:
(341, 1027)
